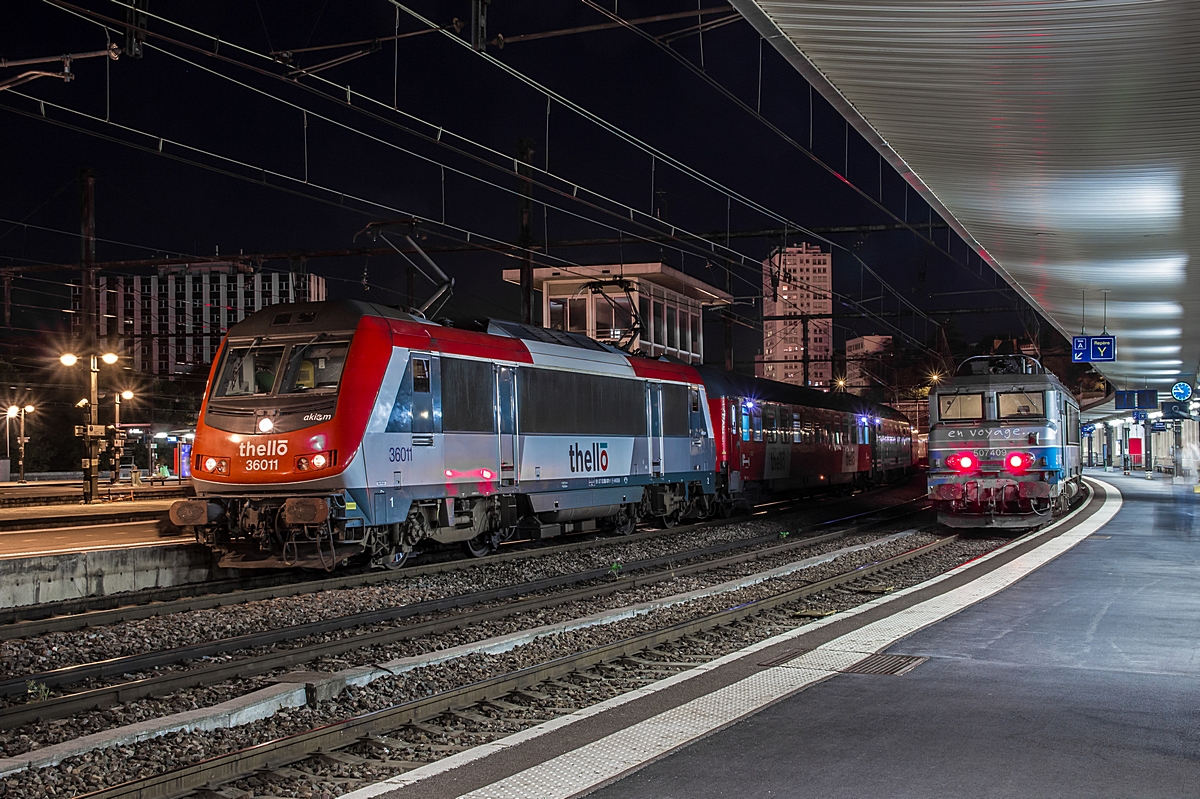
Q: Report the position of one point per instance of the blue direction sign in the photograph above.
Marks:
(1103, 348)
(1093, 349)
(1182, 391)
(1139, 416)
(1158, 427)
(1080, 349)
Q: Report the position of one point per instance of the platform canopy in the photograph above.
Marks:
(1059, 139)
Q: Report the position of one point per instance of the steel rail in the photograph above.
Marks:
(214, 673)
(75, 614)
(221, 769)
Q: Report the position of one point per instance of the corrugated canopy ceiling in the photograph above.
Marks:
(1058, 138)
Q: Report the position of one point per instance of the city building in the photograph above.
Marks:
(590, 300)
(796, 285)
(173, 321)
(859, 371)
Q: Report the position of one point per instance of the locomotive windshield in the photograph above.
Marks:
(248, 371)
(316, 367)
(310, 367)
(952, 407)
(1013, 404)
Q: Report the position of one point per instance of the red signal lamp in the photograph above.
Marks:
(963, 462)
(1018, 462)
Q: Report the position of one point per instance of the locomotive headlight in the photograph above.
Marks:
(302, 464)
(962, 463)
(1018, 462)
(319, 460)
(210, 464)
(207, 463)
(265, 425)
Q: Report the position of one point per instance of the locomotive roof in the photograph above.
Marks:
(313, 317)
(726, 384)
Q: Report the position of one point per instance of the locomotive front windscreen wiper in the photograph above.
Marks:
(960, 407)
(1020, 403)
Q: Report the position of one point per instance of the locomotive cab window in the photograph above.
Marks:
(420, 375)
(952, 407)
(316, 367)
(248, 371)
(1015, 404)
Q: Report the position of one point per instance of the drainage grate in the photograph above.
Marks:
(885, 664)
(786, 656)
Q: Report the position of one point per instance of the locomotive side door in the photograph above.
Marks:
(422, 400)
(696, 424)
(654, 407)
(506, 410)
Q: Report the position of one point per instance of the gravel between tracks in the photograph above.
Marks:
(87, 772)
(21, 657)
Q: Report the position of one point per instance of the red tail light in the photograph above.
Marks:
(1017, 462)
(963, 462)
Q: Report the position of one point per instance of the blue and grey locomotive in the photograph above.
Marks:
(1004, 445)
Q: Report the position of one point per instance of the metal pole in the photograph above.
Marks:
(525, 173)
(92, 472)
(21, 463)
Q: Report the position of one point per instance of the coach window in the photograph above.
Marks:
(745, 423)
(557, 315)
(660, 335)
(1014, 404)
(672, 328)
(758, 426)
(796, 429)
(952, 407)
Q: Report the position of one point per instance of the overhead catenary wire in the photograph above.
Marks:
(693, 173)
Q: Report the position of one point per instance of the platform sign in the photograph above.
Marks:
(1087, 429)
(1103, 349)
(1080, 349)
(1158, 427)
(1139, 416)
(1093, 349)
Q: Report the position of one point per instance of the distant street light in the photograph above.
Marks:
(118, 447)
(13, 411)
(935, 377)
(91, 464)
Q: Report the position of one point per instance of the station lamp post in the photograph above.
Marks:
(14, 411)
(91, 435)
(118, 447)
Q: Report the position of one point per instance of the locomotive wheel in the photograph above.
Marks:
(626, 522)
(479, 546)
(668, 521)
(396, 559)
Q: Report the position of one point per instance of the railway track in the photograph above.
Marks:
(75, 614)
(631, 575)
(504, 701)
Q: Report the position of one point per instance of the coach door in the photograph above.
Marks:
(656, 429)
(506, 409)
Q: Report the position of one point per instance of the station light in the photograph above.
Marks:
(126, 394)
(29, 409)
(68, 359)
(13, 410)
(110, 358)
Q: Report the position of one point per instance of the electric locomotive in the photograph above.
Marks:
(340, 430)
(1004, 445)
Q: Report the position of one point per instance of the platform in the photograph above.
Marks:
(1062, 666)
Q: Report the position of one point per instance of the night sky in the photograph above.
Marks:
(246, 121)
